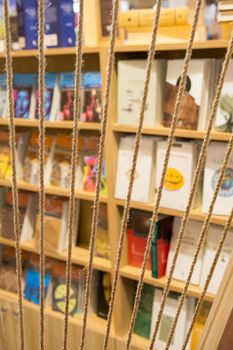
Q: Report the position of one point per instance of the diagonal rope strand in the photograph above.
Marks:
(201, 239)
(198, 170)
(132, 172)
(100, 166)
(10, 95)
(41, 62)
(168, 150)
(74, 161)
(216, 257)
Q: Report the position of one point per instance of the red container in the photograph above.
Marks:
(136, 248)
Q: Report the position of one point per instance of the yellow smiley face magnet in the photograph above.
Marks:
(174, 180)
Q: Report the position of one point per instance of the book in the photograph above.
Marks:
(7, 212)
(143, 319)
(225, 5)
(192, 99)
(53, 221)
(3, 96)
(142, 188)
(32, 285)
(131, 77)
(178, 179)
(61, 170)
(21, 139)
(213, 236)
(137, 233)
(67, 96)
(52, 30)
(224, 115)
(4, 153)
(200, 324)
(168, 318)
(31, 161)
(30, 23)
(66, 23)
(13, 25)
(106, 18)
(214, 159)
(51, 104)
(104, 294)
(89, 164)
(77, 289)
(186, 252)
(102, 246)
(160, 246)
(92, 100)
(21, 26)
(225, 16)
(23, 95)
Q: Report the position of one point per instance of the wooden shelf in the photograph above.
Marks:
(58, 191)
(196, 214)
(34, 123)
(79, 255)
(162, 131)
(198, 45)
(133, 273)
(58, 51)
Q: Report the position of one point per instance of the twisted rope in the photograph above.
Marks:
(125, 217)
(42, 63)
(177, 110)
(216, 257)
(99, 171)
(201, 239)
(10, 95)
(74, 161)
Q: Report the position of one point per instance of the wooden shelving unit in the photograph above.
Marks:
(96, 58)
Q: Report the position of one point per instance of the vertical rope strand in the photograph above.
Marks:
(100, 166)
(201, 239)
(74, 161)
(41, 62)
(132, 171)
(196, 179)
(168, 150)
(216, 257)
(10, 95)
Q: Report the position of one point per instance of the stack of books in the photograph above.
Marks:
(225, 11)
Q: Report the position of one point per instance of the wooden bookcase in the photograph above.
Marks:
(95, 58)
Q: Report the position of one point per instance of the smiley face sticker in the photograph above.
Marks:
(174, 180)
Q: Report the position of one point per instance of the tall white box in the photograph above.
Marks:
(187, 250)
(214, 160)
(168, 318)
(179, 174)
(131, 78)
(143, 184)
(213, 237)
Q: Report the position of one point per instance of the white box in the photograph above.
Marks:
(213, 237)
(131, 78)
(142, 188)
(214, 160)
(187, 250)
(179, 175)
(167, 321)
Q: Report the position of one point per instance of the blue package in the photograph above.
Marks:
(50, 82)
(67, 23)
(23, 85)
(31, 23)
(32, 285)
(21, 28)
(92, 80)
(51, 24)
